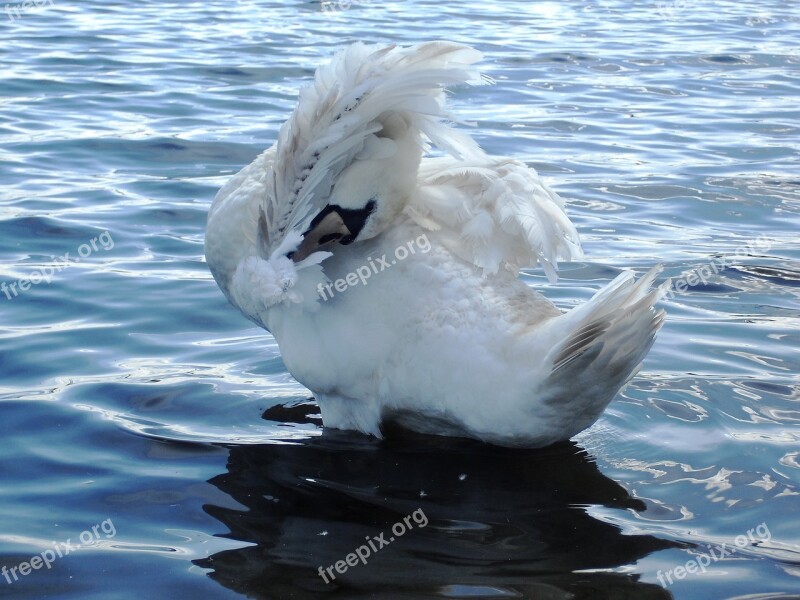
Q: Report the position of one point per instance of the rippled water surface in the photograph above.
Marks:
(135, 400)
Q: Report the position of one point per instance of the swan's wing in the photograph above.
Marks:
(364, 122)
(340, 121)
(494, 213)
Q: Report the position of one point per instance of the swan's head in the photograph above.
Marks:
(337, 224)
(368, 194)
(261, 248)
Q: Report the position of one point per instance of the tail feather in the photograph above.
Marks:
(611, 334)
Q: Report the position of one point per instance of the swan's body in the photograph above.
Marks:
(390, 281)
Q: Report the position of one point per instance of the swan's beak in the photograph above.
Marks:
(329, 230)
(333, 224)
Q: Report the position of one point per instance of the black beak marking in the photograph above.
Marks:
(333, 224)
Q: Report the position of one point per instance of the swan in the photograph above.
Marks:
(389, 278)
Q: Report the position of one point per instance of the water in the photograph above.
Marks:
(135, 400)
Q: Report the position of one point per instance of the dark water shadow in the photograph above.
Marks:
(501, 523)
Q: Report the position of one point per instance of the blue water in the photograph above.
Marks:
(134, 400)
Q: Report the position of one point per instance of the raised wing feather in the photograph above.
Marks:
(494, 213)
(338, 117)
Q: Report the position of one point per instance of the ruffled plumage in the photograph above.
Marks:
(442, 338)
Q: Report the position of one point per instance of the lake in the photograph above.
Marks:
(153, 443)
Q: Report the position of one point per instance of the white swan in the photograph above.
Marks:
(389, 279)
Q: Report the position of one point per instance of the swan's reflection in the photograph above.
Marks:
(502, 523)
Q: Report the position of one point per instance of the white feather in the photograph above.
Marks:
(442, 338)
(498, 212)
(350, 100)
